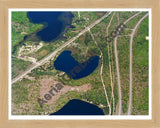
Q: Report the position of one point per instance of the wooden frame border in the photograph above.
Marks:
(4, 8)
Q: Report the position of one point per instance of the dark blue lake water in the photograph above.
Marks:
(55, 23)
(66, 63)
(79, 107)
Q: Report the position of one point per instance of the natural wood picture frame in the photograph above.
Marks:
(4, 38)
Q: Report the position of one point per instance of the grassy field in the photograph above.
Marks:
(18, 66)
(24, 98)
(21, 26)
(141, 70)
(82, 48)
(123, 54)
(100, 34)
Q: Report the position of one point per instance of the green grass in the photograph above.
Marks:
(18, 66)
(140, 70)
(39, 72)
(67, 97)
(24, 97)
(21, 23)
(123, 55)
(134, 21)
(99, 32)
(142, 48)
(41, 54)
(79, 52)
(19, 93)
(125, 15)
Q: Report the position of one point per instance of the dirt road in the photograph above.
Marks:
(47, 58)
(131, 42)
(117, 68)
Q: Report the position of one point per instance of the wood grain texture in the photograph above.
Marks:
(6, 4)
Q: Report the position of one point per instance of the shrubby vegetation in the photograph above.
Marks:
(141, 70)
(18, 66)
(21, 26)
(123, 55)
(19, 93)
(84, 47)
(134, 21)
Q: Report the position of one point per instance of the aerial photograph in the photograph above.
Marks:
(79, 62)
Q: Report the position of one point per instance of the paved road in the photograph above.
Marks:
(44, 60)
(117, 67)
(130, 86)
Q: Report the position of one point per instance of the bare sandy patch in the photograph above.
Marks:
(43, 52)
(48, 83)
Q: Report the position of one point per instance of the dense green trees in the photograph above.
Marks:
(21, 26)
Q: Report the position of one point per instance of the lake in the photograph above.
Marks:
(55, 23)
(79, 107)
(66, 63)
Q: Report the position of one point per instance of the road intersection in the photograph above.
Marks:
(53, 54)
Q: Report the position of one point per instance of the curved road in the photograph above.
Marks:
(117, 67)
(131, 41)
(101, 72)
(44, 60)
